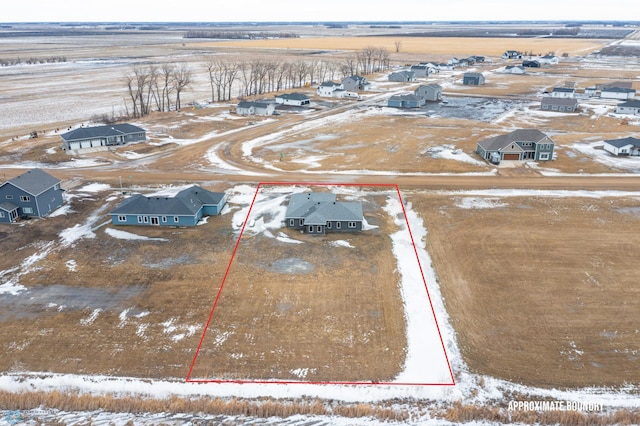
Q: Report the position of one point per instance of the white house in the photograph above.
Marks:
(563, 92)
(630, 107)
(623, 147)
(255, 108)
(328, 88)
(295, 99)
(548, 59)
(514, 69)
(617, 93)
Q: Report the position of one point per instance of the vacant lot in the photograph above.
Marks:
(540, 290)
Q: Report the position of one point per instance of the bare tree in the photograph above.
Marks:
(181, 81)
(398, 45)
(166, 76)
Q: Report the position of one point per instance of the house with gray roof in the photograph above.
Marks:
(629, 146)
(473, 78)
(514, 69)
(559, 104)
(255, 108)
(355, 83)
(184, 208)
(402, 76)
(563, 92)
(295, 99)
(617, 93)
(429, 92)
(405, 101)
(98, 136)
(531, 64)
(420, 70)
(512, 54)
(521, 144)
(629, 107)
(318, 213)
(32, 194)
(327, 88)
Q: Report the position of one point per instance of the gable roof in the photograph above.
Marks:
(630, 104)
(564, 89)
(329, 84)
(35, 181)
(559, 101)
(622, 84)
(618, 90)
(293, 96)
(473, 75)
(619, 143)
(184, 203)
(497, 143)
(101, 131)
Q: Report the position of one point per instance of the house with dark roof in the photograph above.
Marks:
(327, 88)
(319, 212)
(420, 70)
(355, 83)
(559, 104)
(97, 136)
(295, 99)
(617, 93)
(623, 147)
(521, 144)
(255, 108)
(512, 54)
(402, 76)
(184, 208)
(563, 92)
(473, 78)
(405, 101)
(32, 194)
(531, 64)
(429, 92)
(629, 107)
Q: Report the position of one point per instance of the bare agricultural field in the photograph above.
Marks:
(426, 45)
(537, 288)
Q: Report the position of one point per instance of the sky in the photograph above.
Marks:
(301, 10)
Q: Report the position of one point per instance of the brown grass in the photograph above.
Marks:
(424, 45)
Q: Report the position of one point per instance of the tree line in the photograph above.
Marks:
(159, 87)
(237, 35)
(32, 61)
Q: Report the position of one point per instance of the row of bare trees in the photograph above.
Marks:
(156, 86)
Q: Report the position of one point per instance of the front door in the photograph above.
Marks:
(154, 221)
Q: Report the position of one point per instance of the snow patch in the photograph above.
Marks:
(72, 265)
(479, 203)
(124, 235)
(341, 243)
(91, 318)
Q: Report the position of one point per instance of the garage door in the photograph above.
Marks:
(511, 157)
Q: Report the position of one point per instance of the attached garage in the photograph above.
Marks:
(511, 157)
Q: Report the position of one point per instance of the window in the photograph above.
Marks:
(25, 198)
(139, 219)
(1, 214)
(338, 225)
(292, 222)
(352, 225)
(122, 218)
(319, 228)
(164, 219)
(145, 219)
(310, 228)
(9, 197)
(176, 219)
(328, 225)
(27, 210)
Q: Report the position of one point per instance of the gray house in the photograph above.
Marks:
(617, 93)
(559, 104)
(255, 108)
(473, 78)
(405, 101)
(32, 194)
(355, 83)
(420, 70)
(91, 137)
(402, 76)
(521, 144)
(622, 147)
(429, 92)
(630, 107)
(531, 64)
(185, 208)
(319, 212)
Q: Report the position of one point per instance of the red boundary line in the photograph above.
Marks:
(289, 382)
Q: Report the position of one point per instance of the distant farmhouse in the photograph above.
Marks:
(623, 147)
(563, 92)
(514, 69)
(473, 78)
(32, 194)
(97, 136)
(629, 107)
(295, 99)
(402, 76)
(420, 70)
(512, 54)
(548, 59)
(319, 212)
(531, 64)
(405, 101)
(185, 208)
(355, 83)
(522, 144)
(559, 104)
(255, 108)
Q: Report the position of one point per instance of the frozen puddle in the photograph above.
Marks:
(291, 265)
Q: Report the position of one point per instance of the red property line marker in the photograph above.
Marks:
(293, 382)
